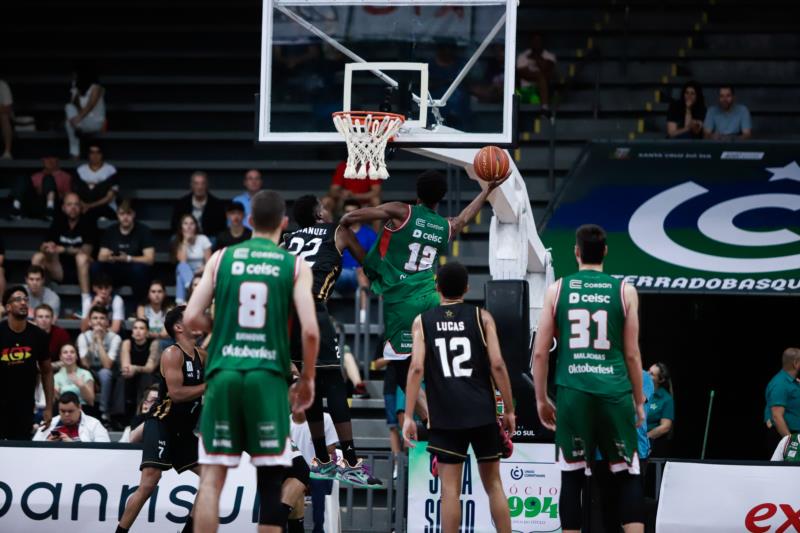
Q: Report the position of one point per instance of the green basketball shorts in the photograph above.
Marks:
(398, 317)
(586, 422)
(245, 411)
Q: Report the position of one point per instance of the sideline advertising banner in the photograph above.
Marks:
(724, 498)
(530, 478)
(687, 216)
(53, 490)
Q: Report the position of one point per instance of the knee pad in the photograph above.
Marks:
(270, 479)
(299, 470)
(631, 498)
(569, 502)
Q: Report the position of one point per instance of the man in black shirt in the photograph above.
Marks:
(236, 232)
(127, 252)
(208, 210)
(23, 351)
(67, 248)
(455, 346)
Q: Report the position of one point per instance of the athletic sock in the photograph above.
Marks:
(296, 525)
(17, 205)
(320, 450)
(121, 529)
(349, 452)
(189, 526)
(50, 204)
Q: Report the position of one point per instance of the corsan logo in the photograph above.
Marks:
(575, 284)
(17, 353)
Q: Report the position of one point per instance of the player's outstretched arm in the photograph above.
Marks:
(541, 359)
(397, 211)
(499, 371)
(172, 369)
(469, 212)
(195, 316)
(309, 334)
(414, 380)
(633, 357)
(346, 240)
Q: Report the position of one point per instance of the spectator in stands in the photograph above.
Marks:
(36, 196)
(252, 184)
(536, 68)
(97, 186)
(99, 351)
(490, 87)
(301, 436)
(135, 430)
(6, 112)
(190, 251)
(103, 296)
(442, 71)
(727, 121)
(207, 209)
(24, 349)
(154, 311)
(782, 413)
(139, 357)
(127, 252)
(353, 374)
(58, 336)
(72, 377)
(366, 192)
(352, 275)
(235, 232)
(686, 114)
(661, 408)
(86, 111)
(72, 424)
(67, 250)
(39, 294)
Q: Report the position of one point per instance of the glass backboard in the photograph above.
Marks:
(463, 51)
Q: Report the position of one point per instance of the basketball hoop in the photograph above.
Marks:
(366, 134)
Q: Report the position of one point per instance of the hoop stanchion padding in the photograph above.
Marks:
(366, 134)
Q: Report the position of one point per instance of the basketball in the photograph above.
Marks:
(491, 163)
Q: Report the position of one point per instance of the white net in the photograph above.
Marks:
(366, 134)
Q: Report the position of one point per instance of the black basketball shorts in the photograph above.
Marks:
(451, 445)
(164, 447)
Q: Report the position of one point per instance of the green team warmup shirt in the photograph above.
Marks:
(400, 264)
(254, 283)
(590, 311)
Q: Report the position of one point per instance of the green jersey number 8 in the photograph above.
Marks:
(252, 304)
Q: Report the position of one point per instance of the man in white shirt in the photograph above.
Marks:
(39, 294)
(301, 436)
(102, 295)
(98, 348)
(252, 184)
(72, 424)
(535, 69)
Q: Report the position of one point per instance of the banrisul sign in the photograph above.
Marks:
(687, 216)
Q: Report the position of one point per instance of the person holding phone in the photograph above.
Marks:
(72, 424)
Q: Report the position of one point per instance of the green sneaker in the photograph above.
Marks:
(320, 470)
(357, 476)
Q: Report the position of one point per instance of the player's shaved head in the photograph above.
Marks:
(791, 357)
(306, 210)
(452, 280)
(431, 187)
(591, 242)
(268, 210)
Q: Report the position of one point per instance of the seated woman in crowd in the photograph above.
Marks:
(686, 114)
(72, 377)
(154, 311)
(86, 110)
(661, 410)
(139, 358)
(190, 251)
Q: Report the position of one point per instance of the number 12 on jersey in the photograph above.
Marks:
(464, 349)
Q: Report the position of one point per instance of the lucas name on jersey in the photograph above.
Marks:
(450, 326)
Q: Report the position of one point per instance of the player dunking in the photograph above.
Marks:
(401, 264)
(595, 319)
(253, 285)
(455, 347)
(320, 243)
(169, 440)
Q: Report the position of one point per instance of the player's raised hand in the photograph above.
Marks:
(301, 394)
(547, 414)
(496, 183)
(410, 431)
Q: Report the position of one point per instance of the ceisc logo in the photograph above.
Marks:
(647, 228)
